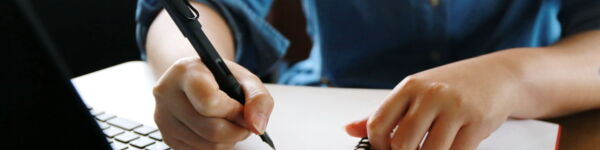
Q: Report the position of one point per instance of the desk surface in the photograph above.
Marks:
(580, 131)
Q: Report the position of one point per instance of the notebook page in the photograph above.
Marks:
(314, 118)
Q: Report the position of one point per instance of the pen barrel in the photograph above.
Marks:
(230, 86)
(213, 61)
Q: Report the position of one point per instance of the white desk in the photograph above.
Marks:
(303, 117)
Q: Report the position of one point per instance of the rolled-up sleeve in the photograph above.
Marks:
(258, 45)
(579, 16)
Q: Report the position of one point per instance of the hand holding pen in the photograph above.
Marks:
(200, 101)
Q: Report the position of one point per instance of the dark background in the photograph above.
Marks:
(95, 34)
(91, 34)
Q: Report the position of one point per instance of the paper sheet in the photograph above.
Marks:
(303, 118)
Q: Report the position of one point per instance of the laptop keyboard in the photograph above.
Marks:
(125, 134)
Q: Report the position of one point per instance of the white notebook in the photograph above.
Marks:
(304, 118)
(314, 118)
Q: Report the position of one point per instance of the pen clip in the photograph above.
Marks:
(194, 11)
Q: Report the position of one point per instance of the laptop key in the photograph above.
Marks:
(103, 125)
(118, 145)
(156, 136)
(142, 142)
(124, 123)
(145, 130)
(133, 148)
(158, 146)
(96, 112)
(104, 117)
(112, 132)
(126, 137)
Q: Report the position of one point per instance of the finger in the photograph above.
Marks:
(190, 79)
(259, 103)
(182, 136)
(169, 95)
(385, 119)
(412, 128)
(202, 143)
(212, 129)
(357, 128)
(468, 138)
(173, 131)
(441, 134)
(207, 99)
(176, 144)
(217, 130)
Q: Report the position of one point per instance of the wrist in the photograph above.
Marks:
(516, 65)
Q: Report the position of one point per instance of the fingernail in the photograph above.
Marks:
(261, 123)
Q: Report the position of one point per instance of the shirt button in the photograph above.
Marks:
(435, 56)
(434, 2)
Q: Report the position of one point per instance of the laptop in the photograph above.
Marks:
(39, 107)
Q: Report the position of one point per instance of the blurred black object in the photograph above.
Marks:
(95, 34)
(39, 108)
(90, 34)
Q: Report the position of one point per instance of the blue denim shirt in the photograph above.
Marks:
(376, 43)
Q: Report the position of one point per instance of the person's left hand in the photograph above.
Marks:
(456, 106)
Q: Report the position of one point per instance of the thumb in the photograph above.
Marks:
(258, 108)
(259, 103)
(357, 128)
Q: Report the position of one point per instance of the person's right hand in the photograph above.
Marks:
(192, 113)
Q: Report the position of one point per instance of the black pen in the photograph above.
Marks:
(186, 18)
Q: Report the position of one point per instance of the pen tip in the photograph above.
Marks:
(265, 137)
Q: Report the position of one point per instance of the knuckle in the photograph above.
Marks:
(158, 119)
(478, 117)
(182, 64)
(434, 94)
(171, 142)
(258, 94)
(204, 96)
(186, 65)
(215, 131)
(198, 79)
(435, 87)
(158, 91)
(460, 102)
(409, 82)
(412, 80)
(201, 81)
(372, 126)
(208, 107)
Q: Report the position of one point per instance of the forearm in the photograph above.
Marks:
(558, 79)
(165, 44)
